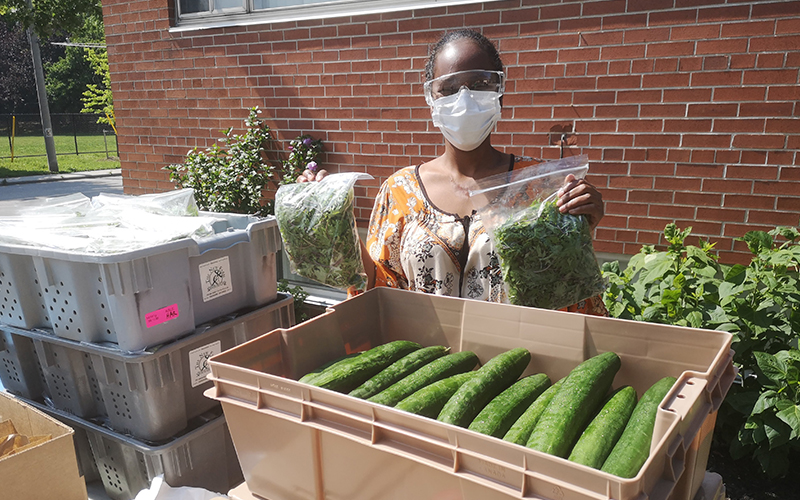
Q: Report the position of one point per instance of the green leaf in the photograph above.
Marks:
(718, 316)
(652, 313)
(790, 356)
(757, 241)
(727, 292)
(771, 367)
(616, 310)
(736, 274)
(766, 400)
(656, 266)
(611, 268)
(791, 417)
(777, 431)
(695, 319)
(787, 232)
(670, 296)
(742, 402)
(701, 257)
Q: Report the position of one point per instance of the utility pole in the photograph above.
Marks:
(44, 108)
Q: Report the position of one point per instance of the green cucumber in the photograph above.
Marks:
(308, 377)
(438, 369)
(497, 417)
(348, 375)
(493, 378)
(429, 400)
(397, 370)
(578, 399)
(604, 430)
(521, 430)
(633, 447)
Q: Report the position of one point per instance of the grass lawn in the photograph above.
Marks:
(68, 161)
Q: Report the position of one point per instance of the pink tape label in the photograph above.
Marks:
(161, 315)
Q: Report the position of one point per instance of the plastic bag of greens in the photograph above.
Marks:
(546, 257)
(319, 233)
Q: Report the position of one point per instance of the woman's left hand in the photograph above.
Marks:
(578, 197)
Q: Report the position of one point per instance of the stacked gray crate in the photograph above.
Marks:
(114, 340)
(151, 394)
(143, 297)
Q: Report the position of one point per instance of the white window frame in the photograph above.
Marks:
(322, 10)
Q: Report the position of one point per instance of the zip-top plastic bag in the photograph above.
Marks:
(546, 257)
(318, 227)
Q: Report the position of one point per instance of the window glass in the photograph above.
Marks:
(271, 4)
(229, 5)
(194, 6)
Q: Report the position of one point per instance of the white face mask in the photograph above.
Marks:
(467, 118)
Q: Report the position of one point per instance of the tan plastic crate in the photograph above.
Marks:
(711, 489)
(295, 441)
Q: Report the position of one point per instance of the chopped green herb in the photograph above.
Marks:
(547, 259)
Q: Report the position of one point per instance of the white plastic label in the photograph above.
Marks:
(215, 278)
(198, 361)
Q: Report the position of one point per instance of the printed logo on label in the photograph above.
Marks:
(161, 315)
(198, 361)
(215, 278)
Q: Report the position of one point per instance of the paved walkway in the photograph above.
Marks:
(45, 186)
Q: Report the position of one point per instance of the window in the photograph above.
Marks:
(318, 294)
(195, 14)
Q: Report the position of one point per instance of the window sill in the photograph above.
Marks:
(309, 12)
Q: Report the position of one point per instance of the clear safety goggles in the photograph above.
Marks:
(476, 79)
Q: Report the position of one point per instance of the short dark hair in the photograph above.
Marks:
(484, 43)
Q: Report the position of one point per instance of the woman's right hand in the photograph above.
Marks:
(309, 176)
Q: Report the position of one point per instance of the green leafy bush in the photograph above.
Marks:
(759, 304)
(299, 295)
(230, 179)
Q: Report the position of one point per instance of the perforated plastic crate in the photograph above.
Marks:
(20, 370)
(202, 456)
(143, 297)
(296, 441)
(21, 300)
(150, 395)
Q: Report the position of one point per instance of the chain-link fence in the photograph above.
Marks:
(74, 134)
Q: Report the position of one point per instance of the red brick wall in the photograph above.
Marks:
(687, 108)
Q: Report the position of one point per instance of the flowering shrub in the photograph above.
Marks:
(230, 178)
(303, 152)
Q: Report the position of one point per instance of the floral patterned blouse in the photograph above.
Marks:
(416, 246)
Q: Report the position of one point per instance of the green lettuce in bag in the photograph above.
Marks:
(318, 229)
(546, 257)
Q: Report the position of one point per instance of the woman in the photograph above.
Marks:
(423, 234)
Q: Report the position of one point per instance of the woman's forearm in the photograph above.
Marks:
(369, 265)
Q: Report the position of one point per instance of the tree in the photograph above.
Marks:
(98, 98)
(68, 77)
(17, 85)
(50, 17)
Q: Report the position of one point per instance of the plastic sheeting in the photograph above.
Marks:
(105, 224)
